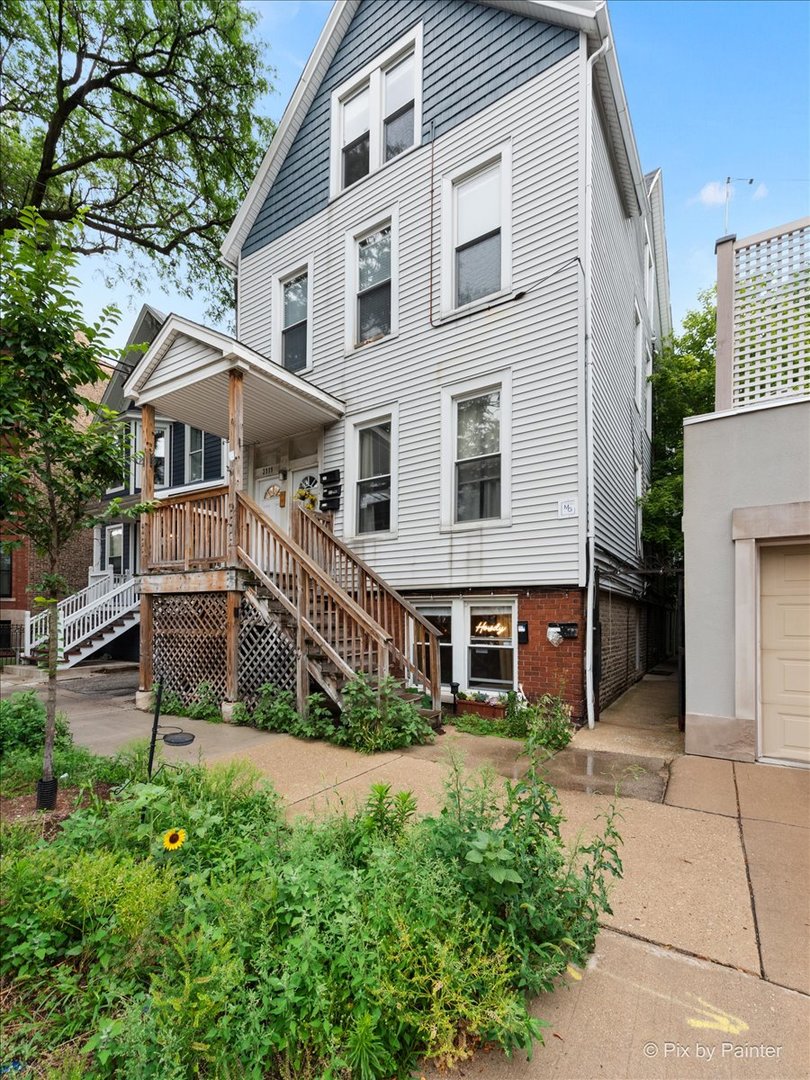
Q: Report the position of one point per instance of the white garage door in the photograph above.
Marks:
(785, 643)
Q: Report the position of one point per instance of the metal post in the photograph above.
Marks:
(158, 697)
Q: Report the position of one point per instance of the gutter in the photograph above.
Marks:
(590, 689)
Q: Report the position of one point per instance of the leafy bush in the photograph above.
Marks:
(377, 717)
(546, 724)
(22, 724)
(74, 766)
(347, 947)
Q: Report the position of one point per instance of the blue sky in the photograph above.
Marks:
(715, 89)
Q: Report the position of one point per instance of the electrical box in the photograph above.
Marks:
(567, 629)
(523, 633)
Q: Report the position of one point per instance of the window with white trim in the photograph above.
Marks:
(491, 646)
(476, 231)
(292, 318)
(477, 641)
(639, 485)
(478, 457)
(123, 436)
(372, 272)
(195, 453)
(115, 549)
(373, 499)
(161, 456)
(638, 359)
(376, 115)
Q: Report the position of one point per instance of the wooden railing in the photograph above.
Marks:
(188, 532)
(323, 613)
(414, 639)
(72, 609)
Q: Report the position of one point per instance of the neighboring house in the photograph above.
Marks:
(747, 511)
(101, 617)
(451, 278)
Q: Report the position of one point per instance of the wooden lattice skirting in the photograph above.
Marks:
(189, 643)
(266, 655)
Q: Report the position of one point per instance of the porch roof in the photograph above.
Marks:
(185, 372)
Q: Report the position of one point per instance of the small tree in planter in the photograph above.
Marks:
(61, 451)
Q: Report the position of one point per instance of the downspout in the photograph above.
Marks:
(590, 690)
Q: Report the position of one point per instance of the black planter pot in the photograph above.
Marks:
(46, 794)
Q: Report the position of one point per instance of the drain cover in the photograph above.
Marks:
(178, 738)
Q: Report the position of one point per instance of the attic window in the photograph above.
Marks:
(376, 116)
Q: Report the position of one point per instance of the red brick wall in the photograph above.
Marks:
(544, 668)
(619, 617)
(19, 599)
(75, 559)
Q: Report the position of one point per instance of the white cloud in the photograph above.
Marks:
(760, 192)
(713, 194)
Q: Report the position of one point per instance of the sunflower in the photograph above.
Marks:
(174, 838)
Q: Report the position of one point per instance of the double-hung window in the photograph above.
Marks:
(194, 455)
(371, 299)
(292, 318)
(476, 236)
(115, 549)
(478, 457)
(374, 478)
(491, 646)
(476, 441)
(161, 456)
(376, 115)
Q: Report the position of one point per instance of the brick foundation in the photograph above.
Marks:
(544, 668)
(624, 645)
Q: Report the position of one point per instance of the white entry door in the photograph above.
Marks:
(785, 652)
(276, 496)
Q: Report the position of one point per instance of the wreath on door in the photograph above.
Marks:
(305, 494)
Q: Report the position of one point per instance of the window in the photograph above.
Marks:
(476, 441)
(478, 457)
(491, 647)
(376, 116)
(124, 448)
(372, 298)
(476, 223)
(194, 455)
(161, 456)
(5, 574)
(639, 485)
(115, 549)
(374, 478)
(638, 360)
(294, 328)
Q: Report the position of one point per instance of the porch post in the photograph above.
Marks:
(231, 655)
(146, 675)
(235, 423)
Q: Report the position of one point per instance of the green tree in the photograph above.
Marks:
(58, 457)
(682, 385)
(143, 115)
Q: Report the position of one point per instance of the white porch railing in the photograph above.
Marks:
(83, 613)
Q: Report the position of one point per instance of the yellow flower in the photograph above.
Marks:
(174, 839)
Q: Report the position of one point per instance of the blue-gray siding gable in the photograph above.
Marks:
(473, 56)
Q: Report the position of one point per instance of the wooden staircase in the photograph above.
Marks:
(338, 614)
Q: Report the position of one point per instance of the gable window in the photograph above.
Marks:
(376, 115)
(478, 457)
(372, 271)
(374, 478)
(194, 455)
(477, 231)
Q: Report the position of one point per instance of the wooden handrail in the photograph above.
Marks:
(192, 496)
(409, 629)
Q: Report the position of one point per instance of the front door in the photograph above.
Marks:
(785, 652)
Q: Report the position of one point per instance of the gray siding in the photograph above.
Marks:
(473, 57)
(620, 437)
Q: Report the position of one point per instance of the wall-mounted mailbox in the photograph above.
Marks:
(567, 629)
(329, 504)
(332, 492)
(329, 479)
(523, 633)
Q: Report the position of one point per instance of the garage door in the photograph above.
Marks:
(785, 643)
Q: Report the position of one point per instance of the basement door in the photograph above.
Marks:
(784, 573)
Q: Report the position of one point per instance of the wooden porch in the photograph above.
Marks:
(321, 604)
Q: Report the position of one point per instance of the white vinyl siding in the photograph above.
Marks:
(537, 338)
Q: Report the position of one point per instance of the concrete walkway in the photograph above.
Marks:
(702, 969)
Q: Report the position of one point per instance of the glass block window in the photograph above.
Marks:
(478, 457)
(374, 478)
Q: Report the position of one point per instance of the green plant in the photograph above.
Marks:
(22, 724)
(275, 710)
(549, 725)
(205, 706)
(377, 717)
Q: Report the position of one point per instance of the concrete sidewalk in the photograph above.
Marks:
(702, 969)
